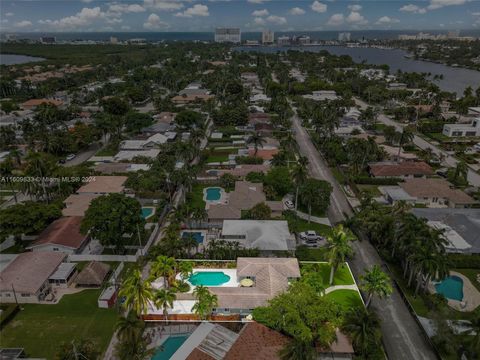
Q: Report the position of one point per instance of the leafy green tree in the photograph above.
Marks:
(129, 327)
(135, 121)
(206, 302)
(339, 248)
(299, 174)
(83, 348)
(261, 211)
(376, 282)
(113, 219)
(163, 266)
(315, 194)
(257, 140)
(164, 299)
(363, 328)
(188, 119)
(7, 137)
(138, 292)
(298, 350)
(278, 178)
(227, 181)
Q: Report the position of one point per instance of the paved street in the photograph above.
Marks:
(402, 336)
(451, 161)
(83, 156)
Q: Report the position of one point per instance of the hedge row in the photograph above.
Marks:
(8, 312)
(365, 180)
(464, 261)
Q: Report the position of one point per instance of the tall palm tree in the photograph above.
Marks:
(185, 268)
(299, 174)
(257, 140)
(363, 328)
(205, 303)
(163, 266)
(339, 248)
(138, 292)
(164, 299)
(376, 282)
(129, 327)
(298, 350)
(429, 265)
(461, 171)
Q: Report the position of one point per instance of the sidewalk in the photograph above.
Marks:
(315, 219)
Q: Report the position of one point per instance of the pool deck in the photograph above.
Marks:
(471, 296)
(230, 272)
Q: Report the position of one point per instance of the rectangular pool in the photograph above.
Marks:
(196, 235)
(213, 194)
(169, 347)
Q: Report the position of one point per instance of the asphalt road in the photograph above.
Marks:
(83, 156)
(402, 336)
(472, 177)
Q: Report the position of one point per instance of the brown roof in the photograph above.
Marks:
(77, 204)
(165, 117)
(275, 205)
(429, 188)
(246, 195)
(111, 168)
(403, 168)
(37, 102)
(257, 342)
(93, 274)
(223, 211)
(271, 278)
(104, 184)
(29, 271)
(64, 231)
(265, 154)
(191, 98)
(244, 170)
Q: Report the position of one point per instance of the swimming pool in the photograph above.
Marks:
(147, 212)
(197, 235)
(208, 278)
(451, 287)
(213, 193)
(169, 347)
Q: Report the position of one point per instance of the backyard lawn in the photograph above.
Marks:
(195, 197)
(342, 275)
(76, 316)
(348, 299)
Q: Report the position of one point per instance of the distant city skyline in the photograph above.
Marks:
(248, 15)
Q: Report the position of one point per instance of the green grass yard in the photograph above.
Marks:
(348, 299)
(342, 276)
(195, 197)
(40, 329)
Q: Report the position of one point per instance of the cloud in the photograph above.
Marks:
(437, 4)
(83, 18)
(263, 12)
(296, 11)
(413, 9)
(23, 24)
(195, 10)
(336, 19)
(163, 5)
(125, 27)
(257, 1)
(87, 1)
(317, 6)
(154, 23)
(277, 20)
(355, 7)
(259, 21)
(125, 8)
(356, 18)
(9, 14)
(387, 20)
(473, 14)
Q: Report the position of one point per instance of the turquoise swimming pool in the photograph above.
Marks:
(213, 193)
(169, 347)
(451, 287)
(197, 235)
(208, 278)
(147, 212)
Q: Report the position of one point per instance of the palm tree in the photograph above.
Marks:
(257, 140)
(429, 265)
(339, 248)
(138, 293)
(376, 282)
(163, 266)
(363, 327)
(299, 174)
(164, 299)
(205, 303)
(461, 172)
(185, 268)
(475, 341)
(199, 215)
(129, 327)
(298, 350)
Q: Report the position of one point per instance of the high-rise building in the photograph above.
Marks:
(48, 39)
(344, 36)
(228, 35)
(268, 37)
(304, 40)
(283, 40)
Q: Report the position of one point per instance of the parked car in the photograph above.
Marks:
(309, 235)
(70, 157)
(289, 204)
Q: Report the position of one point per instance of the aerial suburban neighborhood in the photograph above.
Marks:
(246, 192)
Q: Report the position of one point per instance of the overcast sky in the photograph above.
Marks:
(249, 15)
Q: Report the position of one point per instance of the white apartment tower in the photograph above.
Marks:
(268, 37)
(232, 35)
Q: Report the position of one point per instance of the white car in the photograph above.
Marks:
(70, 157)
(309, 236)
(289, 204)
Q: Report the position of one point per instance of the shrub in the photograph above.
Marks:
(463, 261)
(365, 180)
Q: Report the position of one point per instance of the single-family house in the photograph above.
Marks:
(32, 104)
(462, 130)
(104, 185)
(402, 170)
(26, 278)
(150, 143)
(321, 95)
(77, 204)
(62, 235)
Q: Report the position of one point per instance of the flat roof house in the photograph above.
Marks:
(403, 170)
(436, 193)
(77, 204)
(152, 142)
(26, 278)
(104, 185)
(462, 130)
(266, 235)
(62, 235)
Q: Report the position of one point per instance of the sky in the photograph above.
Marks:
(249, 15)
